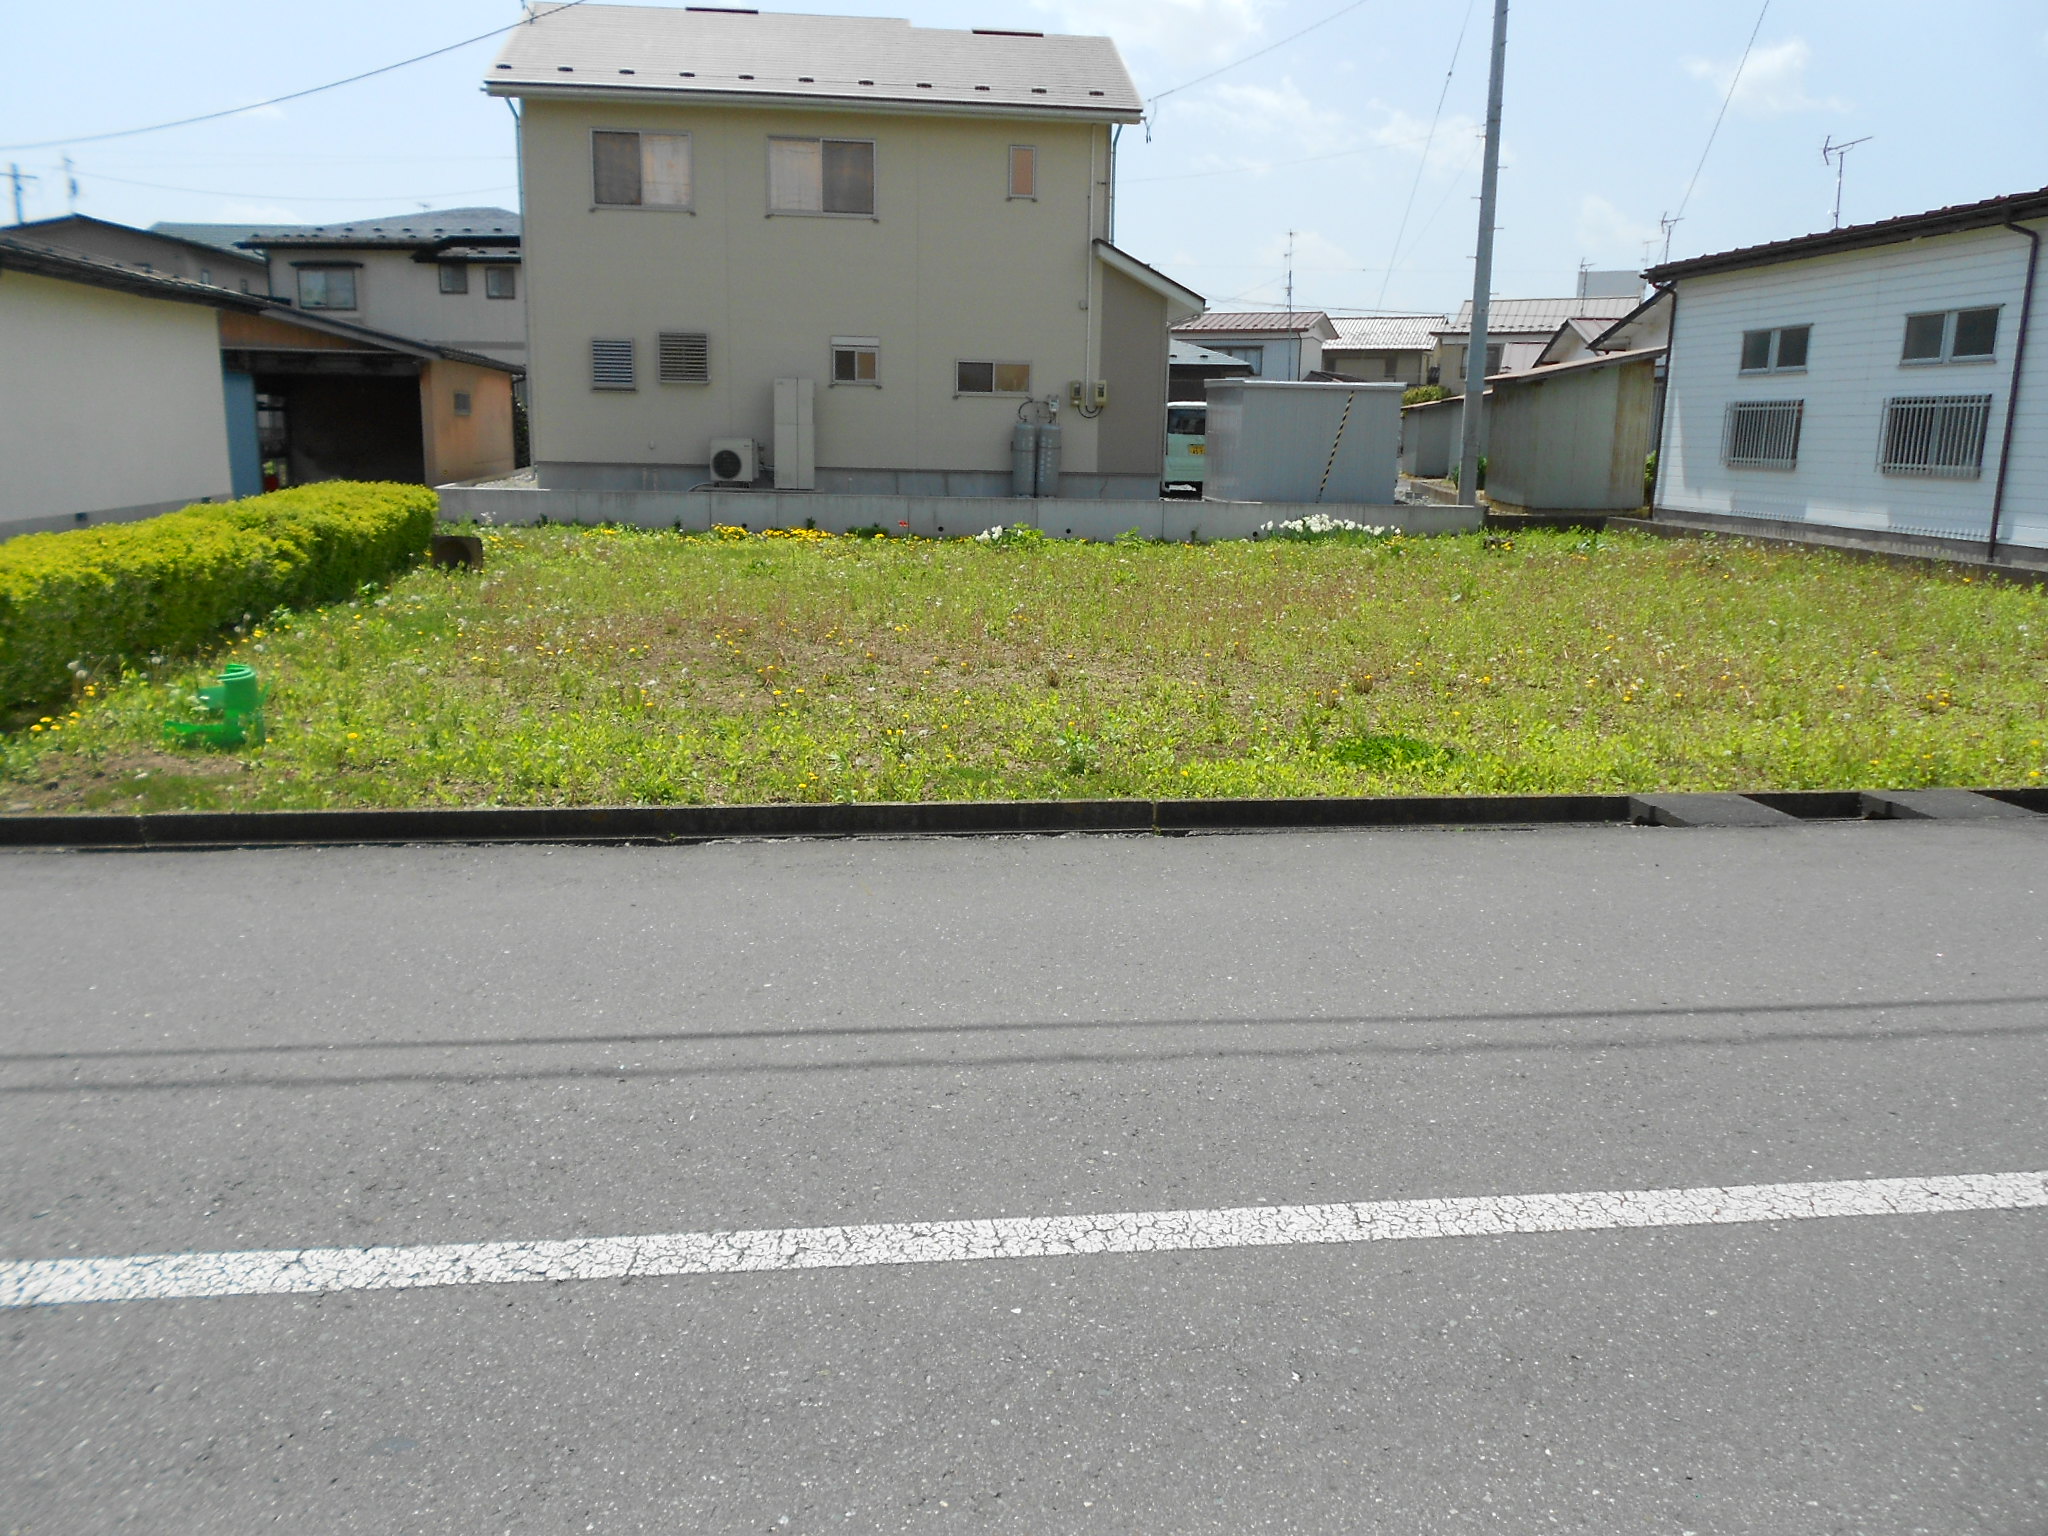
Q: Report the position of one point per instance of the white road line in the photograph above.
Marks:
(55, 1282)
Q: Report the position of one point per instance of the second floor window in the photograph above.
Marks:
(821, 176)
(327, 287)
(454, 277)
(856, 360)
(501, 282)
(640, 170)
(1023, 170)
(1775, 351)
(1951, 336)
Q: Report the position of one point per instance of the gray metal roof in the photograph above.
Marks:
(1261, 322)
(1540, 317)
(630, 50)
(403, 230)
(1385, 333)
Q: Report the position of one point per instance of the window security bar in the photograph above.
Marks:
(1762, 434)
(1935, 435)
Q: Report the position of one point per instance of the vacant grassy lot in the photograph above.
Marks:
(593, 666)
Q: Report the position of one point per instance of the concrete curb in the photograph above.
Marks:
(945, 818)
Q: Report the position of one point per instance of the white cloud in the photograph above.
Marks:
(1267, 111)
(1449, 149)
(1608, 236)
(1174, 31)
(1773, 82)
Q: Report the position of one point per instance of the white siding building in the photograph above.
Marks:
(1865, 379)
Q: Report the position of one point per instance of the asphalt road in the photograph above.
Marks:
(280, 1049)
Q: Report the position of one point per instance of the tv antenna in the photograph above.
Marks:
(1667, 223)
(1837, 155)
(1290, 271)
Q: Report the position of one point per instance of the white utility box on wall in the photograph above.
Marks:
(796, 435)
(1272, 440)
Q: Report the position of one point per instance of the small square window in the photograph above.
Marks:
(1023, 170)
(462, 402)
(1923, 338)
(454, 277)
(1976, 333)
(1756, 351)
(501, 282)
(856, 360)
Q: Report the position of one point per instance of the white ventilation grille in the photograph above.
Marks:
(1940, 435)
(611, 365)
(1762, 434)
(685, 357)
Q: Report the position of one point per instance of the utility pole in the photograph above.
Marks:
(16, 175)
(1482, 271)
(1290, 271)
(1839, 155)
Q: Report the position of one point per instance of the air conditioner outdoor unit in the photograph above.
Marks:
(734, 460)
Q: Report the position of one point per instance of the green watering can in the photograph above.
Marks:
(238, 703)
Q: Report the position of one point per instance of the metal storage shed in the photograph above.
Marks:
(1572, 437)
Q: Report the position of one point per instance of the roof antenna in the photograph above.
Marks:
(1290, 271)
(1667, 223)
(1838, 155)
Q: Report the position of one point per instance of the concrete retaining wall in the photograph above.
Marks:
(923, 516)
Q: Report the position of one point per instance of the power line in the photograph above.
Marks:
(1223, 69)
(1394, 251)
(291, 197)
(312, 90)
(1734, 81)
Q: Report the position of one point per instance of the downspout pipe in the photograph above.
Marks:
(2012, 393)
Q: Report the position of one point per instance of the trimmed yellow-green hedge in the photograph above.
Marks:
(97, 596)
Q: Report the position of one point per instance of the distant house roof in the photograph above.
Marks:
(1262, 322)
(1386, 333)
(1539, 317)
(53, 231)
(629, 52)
(1913, 226)
(1180, 299)
(75, 267)
(97, 272)
(1577, 365)
(1185, 354)
(403, 231)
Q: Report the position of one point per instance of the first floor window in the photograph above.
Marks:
(1023, 170)
(501, 282)
(611, 364)
(327, 287)
(454, 277)
(1937, 435)
(978, 378)
(821, 176)
(856, 360)
(1762, 434)
(640, 170)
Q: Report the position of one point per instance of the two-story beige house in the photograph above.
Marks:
(909, 228)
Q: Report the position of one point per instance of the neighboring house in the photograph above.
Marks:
(1517, 332)
(149, 250)
(450, 278)
(1378, 347)
(1646, 326)
(1190, 368)
(126, 393)
(855, 248)
(1877, 377)
(112, 401)
(1277, 344)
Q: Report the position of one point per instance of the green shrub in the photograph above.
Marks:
(97, 596)
(1422, 394)
(1456, 469)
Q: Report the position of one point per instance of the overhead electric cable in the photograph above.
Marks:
(1421, 165)
(294, 197)
(311, 90)
(1734, 80)
(1224, 69)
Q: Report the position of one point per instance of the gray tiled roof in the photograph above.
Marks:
(1385, 333)
(401, 229)
(689, 52)
(1507, 317)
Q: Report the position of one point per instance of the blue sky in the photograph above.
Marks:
(1609, 104)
